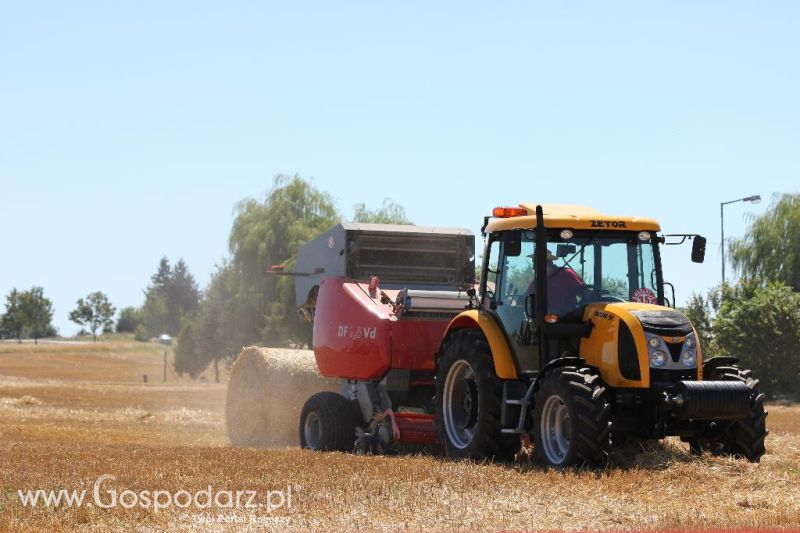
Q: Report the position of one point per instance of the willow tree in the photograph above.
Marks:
(770, 250)
(388, 213)
(269, 233)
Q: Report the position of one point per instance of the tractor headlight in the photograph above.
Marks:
(689, 352)
(658, 358)
(657, 351)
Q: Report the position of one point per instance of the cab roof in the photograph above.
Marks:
(573, 217)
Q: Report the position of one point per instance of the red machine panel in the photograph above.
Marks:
(415, 342)
(358, 337)
(351, 331)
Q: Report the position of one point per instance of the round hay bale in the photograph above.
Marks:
(266, 392)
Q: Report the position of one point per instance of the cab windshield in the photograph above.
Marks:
(587, 267)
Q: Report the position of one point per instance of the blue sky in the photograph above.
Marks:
(128, 130)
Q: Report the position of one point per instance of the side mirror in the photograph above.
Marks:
(512, 243)
(530, 305)
(698, 249)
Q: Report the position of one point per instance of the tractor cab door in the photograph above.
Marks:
(513, 288)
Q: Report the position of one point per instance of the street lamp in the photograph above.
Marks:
(752, 199)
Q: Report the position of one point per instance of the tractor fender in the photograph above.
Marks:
(559, 362)
(504, 365)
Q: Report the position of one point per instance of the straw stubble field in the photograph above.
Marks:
(72, 413)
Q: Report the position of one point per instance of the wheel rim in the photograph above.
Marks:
(555, 430)
(312, 430)
(460, 405)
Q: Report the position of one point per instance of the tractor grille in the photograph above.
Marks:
(675, 350)
(628, 359)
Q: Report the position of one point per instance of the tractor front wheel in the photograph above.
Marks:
(571, 420)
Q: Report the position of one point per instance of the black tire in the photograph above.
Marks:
(742, 438)
(576, 399)
(328, 422)
(468, 396)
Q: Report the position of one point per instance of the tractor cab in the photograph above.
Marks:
(546, 283)
(581, 268)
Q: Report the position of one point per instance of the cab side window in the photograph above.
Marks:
(491, 273)
(517, 277)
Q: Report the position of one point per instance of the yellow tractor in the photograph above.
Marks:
(571, 339)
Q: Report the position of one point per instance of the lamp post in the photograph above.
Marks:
(753, 199)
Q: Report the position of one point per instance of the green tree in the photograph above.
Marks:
(699, 311)
(388, 213)
(215, 329)
(14, 320)
(183, 296)
(155, 313)
(160, 279)
(140, 334)
(761, 326)
(129, 319)
(28, 313)
(93, 312)
(171, 298)
(268, 233)
(770, 250)
(186, 357)
(38, 311)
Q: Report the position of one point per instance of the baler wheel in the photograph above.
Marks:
(571, 418)
(468, 396)
(328, 423)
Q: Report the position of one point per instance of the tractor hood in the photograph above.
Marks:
(663, 321)
(652, 318)
(618, 342)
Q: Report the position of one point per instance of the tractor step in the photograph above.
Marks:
(516, 402)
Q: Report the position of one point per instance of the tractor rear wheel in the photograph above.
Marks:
(742, 438)
(571, 418)
(328, 423)
(468, 396)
